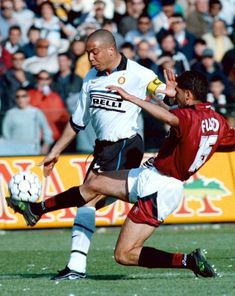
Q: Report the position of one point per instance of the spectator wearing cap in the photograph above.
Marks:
(6, 18)
(210, 68)
(199, 21)
(42, 60)
(218, 39)
(66, 82)
(185, 40)
(15, 78)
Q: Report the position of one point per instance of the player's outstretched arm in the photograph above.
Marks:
(51, 159)
(156, 111)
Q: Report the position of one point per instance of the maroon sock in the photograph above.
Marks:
(153, 258)
(69, 198)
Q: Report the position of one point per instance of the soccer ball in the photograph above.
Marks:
(25, 186)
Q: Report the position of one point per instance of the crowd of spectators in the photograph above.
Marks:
(43, 60)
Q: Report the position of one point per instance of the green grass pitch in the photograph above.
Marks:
(29, 258)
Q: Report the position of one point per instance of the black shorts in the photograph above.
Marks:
(123, 154)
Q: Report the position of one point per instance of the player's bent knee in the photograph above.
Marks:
(121, 257)
(91, 185)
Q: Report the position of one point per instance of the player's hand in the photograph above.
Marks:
(124, 94)
(171, 83)
(48, 164)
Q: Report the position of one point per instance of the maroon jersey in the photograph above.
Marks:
(200, 133)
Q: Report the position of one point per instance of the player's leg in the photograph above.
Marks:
(122, 155)
(130, 250)
(157, 197)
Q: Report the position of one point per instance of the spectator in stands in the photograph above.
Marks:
(215, 7)
(231, 90)
(128, 50)
(168, 47)
(24, 18)
(6, 18)
(25, 128)
(66, 82)
(228, 61)
(15, 78)
(30, 47)
(145, 56)
(199, 21)
(161, 21)
(216, 94)
(228, 14)
(128, 21)
(79, 56)
(50, 103)
(5, 61)
(185, 40)
(198, 48)
(13, 43)
(210, 68)
(165, 61)
(218, 39)
(144, 31)
(111, 26)
(42, 60)
(96, 15)
(49, 24)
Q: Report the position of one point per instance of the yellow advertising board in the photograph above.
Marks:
(209, 196)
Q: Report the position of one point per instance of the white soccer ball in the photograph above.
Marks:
(25, 186)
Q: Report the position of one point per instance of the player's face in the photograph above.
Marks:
(180, 97)
(100, 55)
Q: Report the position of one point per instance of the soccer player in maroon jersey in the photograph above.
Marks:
(196, 133)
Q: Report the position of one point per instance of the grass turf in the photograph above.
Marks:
(29, 258)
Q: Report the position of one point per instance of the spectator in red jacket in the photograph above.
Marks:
(50, 103)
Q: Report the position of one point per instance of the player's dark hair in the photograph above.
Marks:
(195, 82)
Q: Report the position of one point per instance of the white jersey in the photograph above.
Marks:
(112, 118)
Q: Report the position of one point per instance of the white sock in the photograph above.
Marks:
(83, 229)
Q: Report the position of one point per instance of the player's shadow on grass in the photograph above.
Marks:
(25, 275)
(115, 277)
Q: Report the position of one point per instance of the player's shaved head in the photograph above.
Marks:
(102, 36)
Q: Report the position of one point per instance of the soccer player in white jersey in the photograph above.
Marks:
(118, 145)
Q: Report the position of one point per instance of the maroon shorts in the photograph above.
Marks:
(144, 211)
